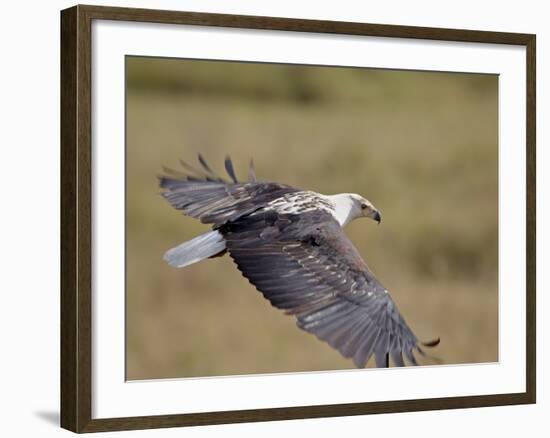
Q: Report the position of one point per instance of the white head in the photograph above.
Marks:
(350, 206)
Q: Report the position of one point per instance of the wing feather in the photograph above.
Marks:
(211, 199)
(305, 265)
(205, 164)
(251, 172)
(229, 168)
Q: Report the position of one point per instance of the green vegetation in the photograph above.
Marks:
(422, 146)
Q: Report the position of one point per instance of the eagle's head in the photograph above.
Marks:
(350, 206)
(364, 208)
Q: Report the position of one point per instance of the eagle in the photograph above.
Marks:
(290, 244)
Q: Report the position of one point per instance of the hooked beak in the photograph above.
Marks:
(377, 217)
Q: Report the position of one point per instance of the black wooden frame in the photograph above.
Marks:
(76, 221)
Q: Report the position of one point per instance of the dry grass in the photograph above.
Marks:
(421, 146)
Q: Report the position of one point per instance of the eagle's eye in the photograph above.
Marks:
(363, 206)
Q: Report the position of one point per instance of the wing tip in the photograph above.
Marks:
(430, 344)
(433, 343)
(205, 172)
(229, 168)
(252, 171)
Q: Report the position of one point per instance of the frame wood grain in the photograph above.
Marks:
(76, 172)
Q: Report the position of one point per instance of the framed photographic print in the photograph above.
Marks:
(269, 218)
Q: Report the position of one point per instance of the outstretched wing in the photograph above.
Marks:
(213, 200)
(307, 266)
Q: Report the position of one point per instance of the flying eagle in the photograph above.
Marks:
(290, 244)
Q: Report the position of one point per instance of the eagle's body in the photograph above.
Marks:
(290, 245)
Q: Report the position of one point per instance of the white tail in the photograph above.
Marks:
(193, 251)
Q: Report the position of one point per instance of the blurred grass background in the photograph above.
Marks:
(422, 146)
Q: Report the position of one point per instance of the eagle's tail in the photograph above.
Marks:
(206, 245)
